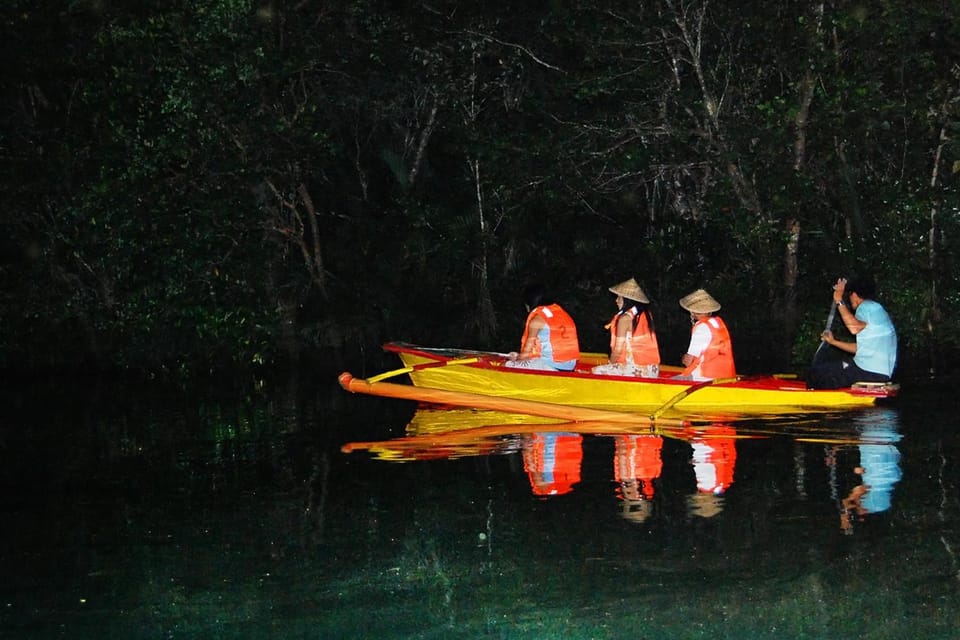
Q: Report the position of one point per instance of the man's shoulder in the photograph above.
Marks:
(871, 306)
(872, 311)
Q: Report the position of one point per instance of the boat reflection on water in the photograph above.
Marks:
(862, 460)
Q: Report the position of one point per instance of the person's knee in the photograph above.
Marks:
(825, 377)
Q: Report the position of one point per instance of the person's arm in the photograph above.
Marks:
(530, 338)
(699, 341)
(849, 347)
(850, 321)
(853, 324)
(624, 323)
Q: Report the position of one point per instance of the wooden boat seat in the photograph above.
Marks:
(876, 386)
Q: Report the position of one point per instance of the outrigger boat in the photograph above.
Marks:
(481, 379)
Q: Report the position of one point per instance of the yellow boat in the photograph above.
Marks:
(479, 378)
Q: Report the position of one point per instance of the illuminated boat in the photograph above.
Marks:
(482, 379)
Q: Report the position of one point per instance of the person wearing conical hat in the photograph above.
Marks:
(710, 353)
(633, 340)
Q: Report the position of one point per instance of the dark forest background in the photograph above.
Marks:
(198, 185)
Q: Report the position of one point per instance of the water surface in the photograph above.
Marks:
(138, 512)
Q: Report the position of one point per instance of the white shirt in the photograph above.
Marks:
(699, 341)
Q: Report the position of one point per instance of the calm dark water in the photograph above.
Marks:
(132, 512)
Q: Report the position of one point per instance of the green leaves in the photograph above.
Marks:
(230, 180)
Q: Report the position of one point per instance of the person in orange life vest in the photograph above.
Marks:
(636, 464)
(549, 337)
(552, 462)
(633, 340)
(710, 354)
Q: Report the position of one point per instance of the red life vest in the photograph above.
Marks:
(716, 361)
(563, 333)
(642, 345)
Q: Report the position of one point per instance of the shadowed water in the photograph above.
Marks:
(306, 512)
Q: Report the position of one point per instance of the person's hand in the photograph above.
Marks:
(827, 336)
(687, 359)
(838, 290)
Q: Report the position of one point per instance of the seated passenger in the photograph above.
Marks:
(549, 337)
(633, 340)
(710, 354)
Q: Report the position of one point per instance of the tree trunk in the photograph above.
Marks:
(933, 310)
(854, 219)
(691, 35)
(791, 274)
(313, 255)
(306, 237)
(486, 320)
(807, 84)
(424, 137)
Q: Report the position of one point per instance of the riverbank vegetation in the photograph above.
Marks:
(257, 184)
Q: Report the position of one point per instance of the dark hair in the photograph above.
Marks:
(642, 309)
(535, 295)
(862, 286)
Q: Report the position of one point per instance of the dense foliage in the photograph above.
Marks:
(231, 182)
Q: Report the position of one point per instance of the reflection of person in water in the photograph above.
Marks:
(714, 459)
(878, 469)
(851, 507)
(880, 460)
(552, 462)
(636, 464)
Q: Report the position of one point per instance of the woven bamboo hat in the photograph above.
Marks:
(699, 302)
(631, 290)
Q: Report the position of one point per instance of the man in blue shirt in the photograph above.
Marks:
(873, 356)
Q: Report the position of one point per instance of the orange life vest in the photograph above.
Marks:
(563, 333)
(637, 458)
(642, 345)
(552, 462)
(716, 361)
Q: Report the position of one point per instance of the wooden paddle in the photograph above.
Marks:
(423, 365)
(830, 316)
(399, 347)
(666, 406)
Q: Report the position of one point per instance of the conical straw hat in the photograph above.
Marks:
(699, 302)
(630, 289)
